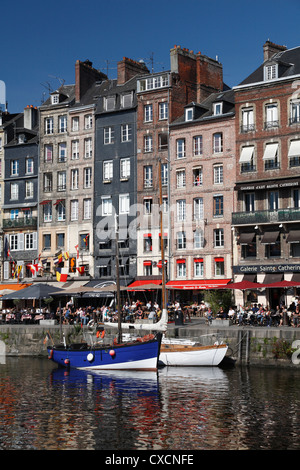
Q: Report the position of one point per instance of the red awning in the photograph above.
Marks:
(145, 285)
(45, 202)
(197, 285)
(147, 263)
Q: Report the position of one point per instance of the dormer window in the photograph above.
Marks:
(55, 98)
(271, 72)
(189, 114)
(109, 103)
(218, 108)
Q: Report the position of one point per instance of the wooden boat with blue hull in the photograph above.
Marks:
(141, 354)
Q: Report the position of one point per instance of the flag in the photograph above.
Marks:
(33, 268)
(60, 257)
(66, 255)
(80, 269)
(76, 247)
(61, 277)
(86, 239)
(19, 270)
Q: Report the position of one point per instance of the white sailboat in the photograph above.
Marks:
(176, 352)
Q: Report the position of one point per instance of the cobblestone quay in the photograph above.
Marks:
(260, 346)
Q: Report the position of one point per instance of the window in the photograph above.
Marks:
(47, 182)
(61, 181)
(125, 168)
(148, 113)
(14, 242)
(88, 121)
(147, 268)
(14, 214)
(61, 211)
(108, 135)
(107, 170)
(47, 212)
(219, 266)
(181, 210)
(218, 174)
(14, 168)
(247, 159)
(218, 143)
(62, 152)
(189, 114)
(180, 178)
(87, 177)
(271, 116)
(147, 206)
(198, 239)
(75, 149)
(198, 267)
(148, 174)
(218, 108)
(106, 205)
(198, 145)
(273, 200)
(48, 153)
(198, 208)
(62, 124)
(148, 143)
(181, 268)
(126, 100)
(47, 241)
(218, 238)
(88, 148)
(14, 191)
(180, 148)
(74, 179)
(60, 240)
(30, 241)
(247, 120)
(151, 83)
(294, 153)
(147, 242)
(271, 156)
(124, 203)
(181, 240)
(48, 123)
(197, 176)
(163, 110)
(164, 174)
(87, 209)
(29, 166)
(28, 189)
(74, 209)
(249, 202)
(55, 99)
(295, 111)
(296, 198)
(270, 72)
(163, 142)
(218, 206)
(109, 103)
(75, 124)
(126, 132)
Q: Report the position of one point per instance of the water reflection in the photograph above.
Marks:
(42, 407)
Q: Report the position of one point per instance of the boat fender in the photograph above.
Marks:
(67, 362)
(148, 337)
(90, 357)
(112, 353)
(101, 334)
(50, 354)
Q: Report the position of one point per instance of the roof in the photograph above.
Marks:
(68, 93)
(288, 63)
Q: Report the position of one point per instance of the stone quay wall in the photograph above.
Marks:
(259, 346)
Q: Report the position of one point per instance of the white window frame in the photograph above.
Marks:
(108, 170)
(29, 166)
(124, 168)
(126, 132)
(124, 203)
(180, 148)
(87, 177)
(218, 174)
(88, 147)
(87, 209)
(108, 135)
(88, 121)
(75, 149)
(74, 210)
(106, 205)
(163, 110)
(62, 124)
(181, 210)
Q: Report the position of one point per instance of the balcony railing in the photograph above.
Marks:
(261, 217)
(20, 222)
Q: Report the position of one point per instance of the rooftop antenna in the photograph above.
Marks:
(61, 80)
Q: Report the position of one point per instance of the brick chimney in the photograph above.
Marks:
(128, 68)
(271, 49)
(85, 76)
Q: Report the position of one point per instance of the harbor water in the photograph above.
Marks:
(45, 408)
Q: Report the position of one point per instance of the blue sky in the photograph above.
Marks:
(41, 41)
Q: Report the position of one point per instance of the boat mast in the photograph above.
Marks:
(162, 244)
(118, 281)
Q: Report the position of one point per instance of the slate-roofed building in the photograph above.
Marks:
(267, 217)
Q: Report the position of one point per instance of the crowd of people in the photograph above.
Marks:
(254, 315)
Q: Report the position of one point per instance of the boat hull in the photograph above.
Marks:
(185, 356)
(134, 356)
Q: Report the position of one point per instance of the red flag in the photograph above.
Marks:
(80, 269)
(77, 251)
